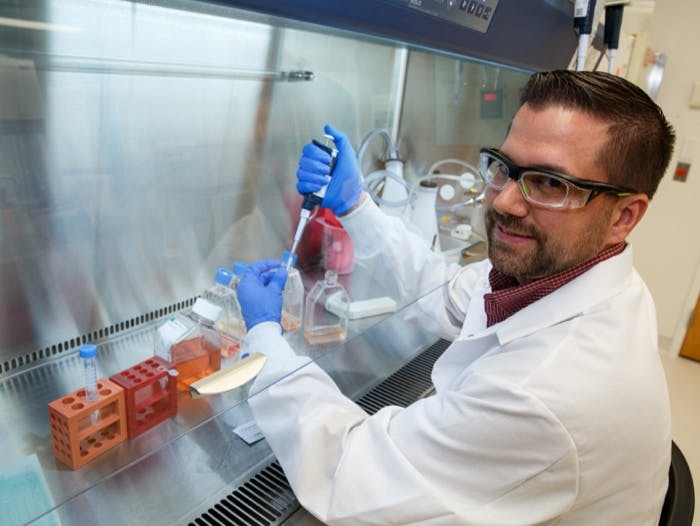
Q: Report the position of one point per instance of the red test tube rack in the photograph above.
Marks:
(150, 393)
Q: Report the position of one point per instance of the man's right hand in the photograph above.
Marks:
(345, 186)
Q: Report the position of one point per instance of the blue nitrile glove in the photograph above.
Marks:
(260, 292)
(345, 186)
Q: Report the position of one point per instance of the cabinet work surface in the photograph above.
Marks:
(174, 471)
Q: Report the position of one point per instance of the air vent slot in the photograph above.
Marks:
(109, 332)
(267, 498)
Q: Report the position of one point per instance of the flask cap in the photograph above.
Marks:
(223, 276)
(239, 268)
(285, 258)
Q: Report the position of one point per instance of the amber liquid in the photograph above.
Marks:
(229, 346)
(290, 323)
(194, 359)
(325, 335)
(232, 332)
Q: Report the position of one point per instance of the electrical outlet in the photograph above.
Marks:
(695, 95)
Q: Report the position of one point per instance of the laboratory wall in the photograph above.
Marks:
(666, 243)
(143, 146)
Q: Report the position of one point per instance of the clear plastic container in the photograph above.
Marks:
(292, 298)
(191, 343)
(239, 268)
(88, 355)
(338, 250)
(230, 323)
(424, 216)
(325, 316)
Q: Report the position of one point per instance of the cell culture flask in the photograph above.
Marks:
(292, 297)
(191, 343)
(230, 323)
(325, 316)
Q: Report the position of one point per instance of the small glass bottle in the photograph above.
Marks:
(292, 297)
(230, 323)
(88, 355)
(326, 314)
(191, 343)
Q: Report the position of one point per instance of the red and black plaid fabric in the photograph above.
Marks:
(508, 297)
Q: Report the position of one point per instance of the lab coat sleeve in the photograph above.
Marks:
(474, 456)
(407, 270)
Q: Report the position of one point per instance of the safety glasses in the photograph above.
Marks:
(542, 187)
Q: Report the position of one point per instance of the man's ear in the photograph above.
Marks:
(628, 212)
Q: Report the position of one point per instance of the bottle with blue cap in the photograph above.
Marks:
(191, 342)
(230, 323)
(292, 296)
(88, 355)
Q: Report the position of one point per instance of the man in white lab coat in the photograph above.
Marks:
(550, 406)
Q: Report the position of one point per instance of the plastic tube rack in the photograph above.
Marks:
(150, 394)
(81, 430)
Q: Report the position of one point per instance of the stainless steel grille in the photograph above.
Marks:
(104, 333)
(267, 498)
(406, 385)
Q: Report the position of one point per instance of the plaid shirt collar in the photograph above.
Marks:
(508, 297)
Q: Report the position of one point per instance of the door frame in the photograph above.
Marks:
(682, 326)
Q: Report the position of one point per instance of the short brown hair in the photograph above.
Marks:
(641, 139)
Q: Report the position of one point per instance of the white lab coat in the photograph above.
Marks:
(557, 415)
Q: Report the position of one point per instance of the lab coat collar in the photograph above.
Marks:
(604, 280)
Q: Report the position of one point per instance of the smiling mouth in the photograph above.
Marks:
(511, 233)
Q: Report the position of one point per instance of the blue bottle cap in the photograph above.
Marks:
(223, 276)
(239, 268)
(285, 258)
(88, 350)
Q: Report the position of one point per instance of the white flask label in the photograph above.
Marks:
(168, 334)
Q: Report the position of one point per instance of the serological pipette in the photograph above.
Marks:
(312, 200)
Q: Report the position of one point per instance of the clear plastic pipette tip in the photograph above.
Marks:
(288, 266)
(303, 219)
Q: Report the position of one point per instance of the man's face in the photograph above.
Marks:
(527, 241)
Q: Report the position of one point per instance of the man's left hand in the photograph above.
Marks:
(260, 292)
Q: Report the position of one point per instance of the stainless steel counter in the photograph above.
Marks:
(171, 472)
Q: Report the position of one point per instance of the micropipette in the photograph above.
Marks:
(312, 200)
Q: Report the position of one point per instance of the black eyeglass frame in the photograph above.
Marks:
(515, 172)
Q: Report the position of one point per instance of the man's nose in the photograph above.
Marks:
(509, 200)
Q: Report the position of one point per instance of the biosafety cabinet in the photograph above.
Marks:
(143, 145)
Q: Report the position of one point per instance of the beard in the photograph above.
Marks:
(547, 255)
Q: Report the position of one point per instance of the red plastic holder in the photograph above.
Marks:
(150, 393)
(82, 430)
